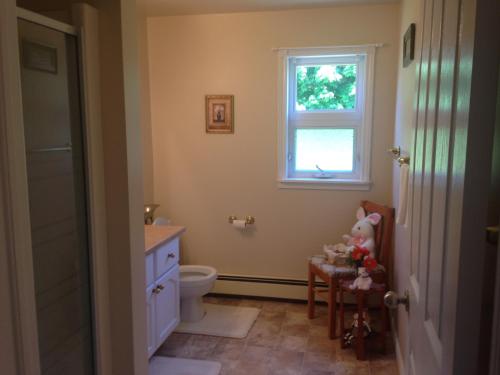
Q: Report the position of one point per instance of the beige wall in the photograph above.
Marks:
(145, 113)
(403, 136)
(200, 179)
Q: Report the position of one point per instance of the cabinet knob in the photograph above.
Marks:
(160, 287)
(171, 255)
(156, 290)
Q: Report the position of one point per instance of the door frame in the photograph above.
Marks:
(15, 197)
(479, 55)
(15, 237)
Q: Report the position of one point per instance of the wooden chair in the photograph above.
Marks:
(383, 241)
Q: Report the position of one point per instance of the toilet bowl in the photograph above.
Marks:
(195, 282)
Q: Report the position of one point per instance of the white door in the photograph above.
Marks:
(150, 318)
(443, 196)
(167, 314)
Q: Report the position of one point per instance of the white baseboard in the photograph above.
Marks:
(261, 286)
(261, 289)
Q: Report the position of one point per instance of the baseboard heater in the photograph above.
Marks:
(261, 286)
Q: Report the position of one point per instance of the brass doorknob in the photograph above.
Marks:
(392, 300)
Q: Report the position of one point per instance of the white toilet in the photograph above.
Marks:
(195, 282)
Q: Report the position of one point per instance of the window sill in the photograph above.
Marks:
(319, 184)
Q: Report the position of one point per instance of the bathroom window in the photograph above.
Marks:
(325, 117)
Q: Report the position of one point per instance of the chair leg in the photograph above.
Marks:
(332, 309)
(310, 293)
(360, 341)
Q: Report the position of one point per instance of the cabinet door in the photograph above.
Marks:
(167, 304)
(150, 319)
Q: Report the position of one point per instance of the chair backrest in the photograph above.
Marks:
(383, 232)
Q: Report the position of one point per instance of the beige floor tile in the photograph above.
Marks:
(295, 329)
(294, 343)
(317, 361)
(283, 341)
(271, 316)
(249, 368)
(229, 349)
(297, 317)
(264, 333)
(274, 306)
(318, 331)
(255, 354)
(297, 307)
(351, 368)
(321, 345)
(319, 320)
(285, 362)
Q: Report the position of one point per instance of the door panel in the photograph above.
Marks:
(432, 170)
(167, 305)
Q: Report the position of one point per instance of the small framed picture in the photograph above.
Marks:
(409, 45)
(219, 113)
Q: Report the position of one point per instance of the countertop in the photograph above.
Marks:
(155, 235)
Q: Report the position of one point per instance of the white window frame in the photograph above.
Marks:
(360, 119)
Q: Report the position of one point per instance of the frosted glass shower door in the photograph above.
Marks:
(57, 197)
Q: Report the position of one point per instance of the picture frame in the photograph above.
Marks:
(409, 45)
(219, 112)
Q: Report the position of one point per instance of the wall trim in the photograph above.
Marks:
(261, 286)
(262, 279)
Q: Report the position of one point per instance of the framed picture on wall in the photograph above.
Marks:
(219, 111)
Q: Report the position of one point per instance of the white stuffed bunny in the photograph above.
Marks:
(362, 233)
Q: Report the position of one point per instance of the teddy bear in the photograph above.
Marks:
(363, 281)
(362, 233)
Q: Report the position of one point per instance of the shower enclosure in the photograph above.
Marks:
(56, 170)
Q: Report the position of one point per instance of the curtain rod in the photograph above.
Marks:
(328, 47)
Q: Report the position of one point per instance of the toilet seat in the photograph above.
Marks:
(193, 276)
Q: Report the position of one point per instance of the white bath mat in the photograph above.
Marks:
(223, 320)
(180, 366)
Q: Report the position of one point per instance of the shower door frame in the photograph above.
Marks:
(18, 297)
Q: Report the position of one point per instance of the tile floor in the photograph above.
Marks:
(283, 341)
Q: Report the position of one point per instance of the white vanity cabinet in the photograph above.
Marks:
(162, 293)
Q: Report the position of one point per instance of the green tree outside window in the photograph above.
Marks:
(326, 87)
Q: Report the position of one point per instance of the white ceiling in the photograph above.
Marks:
(181, 7)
